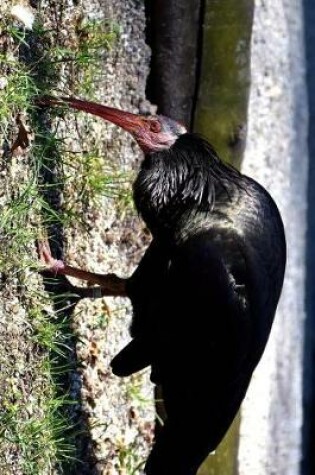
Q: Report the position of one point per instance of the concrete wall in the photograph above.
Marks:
(277, 157)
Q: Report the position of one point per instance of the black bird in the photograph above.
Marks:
(205, 293)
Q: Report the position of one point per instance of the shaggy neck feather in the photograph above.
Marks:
(187, 176)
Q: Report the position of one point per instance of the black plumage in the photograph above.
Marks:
(205, 293)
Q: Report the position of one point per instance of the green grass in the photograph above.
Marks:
(134, 390)
(88, 180)
(37, 430)
(39, 436)
(129, 461)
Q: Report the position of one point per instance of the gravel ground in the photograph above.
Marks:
(277, 157)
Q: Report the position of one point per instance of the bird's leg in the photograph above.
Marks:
(109, 284)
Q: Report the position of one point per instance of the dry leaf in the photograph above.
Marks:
(22, 140)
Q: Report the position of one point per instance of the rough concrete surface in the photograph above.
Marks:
(120, 412)
(277, 157)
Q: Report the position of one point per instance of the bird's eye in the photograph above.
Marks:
(155, 126)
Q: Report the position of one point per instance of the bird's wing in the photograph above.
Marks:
(204, 348)
(206, 314)
(185, 300)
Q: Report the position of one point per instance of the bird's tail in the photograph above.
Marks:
(194, 428)
(180, 450)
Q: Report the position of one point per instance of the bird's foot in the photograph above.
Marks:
(109, 284)
(49, 263)
(48, 266)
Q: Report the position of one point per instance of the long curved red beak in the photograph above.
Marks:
(126, 120)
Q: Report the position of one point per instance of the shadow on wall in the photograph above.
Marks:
(174, 36)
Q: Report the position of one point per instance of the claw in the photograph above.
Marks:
(47, 260)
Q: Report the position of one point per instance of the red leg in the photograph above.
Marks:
(110, 284)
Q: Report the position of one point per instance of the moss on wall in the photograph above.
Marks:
(221, 111)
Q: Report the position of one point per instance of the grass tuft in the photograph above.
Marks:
(37, 428)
